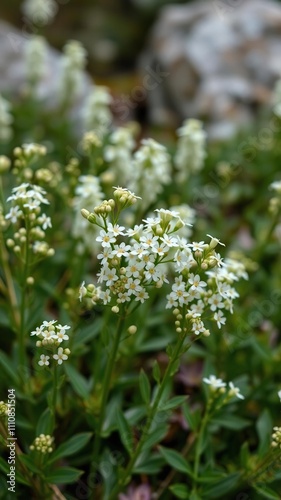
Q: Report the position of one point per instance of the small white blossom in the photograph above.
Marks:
(214, 382)
(60, 357)
(44, 360)
(235, 391)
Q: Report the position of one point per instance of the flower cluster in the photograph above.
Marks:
(35, 59)
(133, 261)
(275, 202)
(6, 120)
(88, 192)
(276, 437)
(73, 63)
(4, 408)
(277, 98)
(150, 170)
(97, 115)
(190, 154)
(43, 443)
(25, 157)
(51, 336)
(40, 12)
(217, 387)
(119, 153)
(26, 202)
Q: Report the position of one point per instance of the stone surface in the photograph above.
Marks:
(222, 62)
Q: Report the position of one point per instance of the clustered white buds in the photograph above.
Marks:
(88, 193)
(275, 201)
(150, 170)
(42, 443)
(51, 336)
(97, 115)
(26, 213)
(40, 12)
(73, 64)
(4, 408)
(190, 154)
(276, 437)
(118, 153)
(6, 120)
(35, 55)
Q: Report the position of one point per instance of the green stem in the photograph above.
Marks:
(22, 353)
(150, 417)
(261, 247)
(106, 386)
(14, 308)
(54, 395)
(198, 449)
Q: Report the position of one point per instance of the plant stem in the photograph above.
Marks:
(54, 395)
(106, 387)
(14, 308)
(22, 353)
(151, 414)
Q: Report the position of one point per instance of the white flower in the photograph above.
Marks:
(190, 154)
(105, 238)
(121, 250)
(235, 391)
(44, 360)
(214, 382)
(60, 356)
(196, 283)
(215, 302)
(219, 318)
(82, 291)
(14, 214)
(279, 395)
(38, 331)
(61, 335)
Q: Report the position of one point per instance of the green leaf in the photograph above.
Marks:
(156, 372)
(64, 475)
(71, 446)
(180, 490)
(173, 403)
(176, 460)
(27, 460)
(109, 423)
(144, 387)
(87, 333)
(193, 419)
(245, 455)
(155, 436)
(264, 429)
(125, 432)
(151, 464)
(135, 414)
(44, 425)
(79, 383)
(229, 421)
(9, 369)
(156, 344)
(5, 468)
(266, 492)
(223, 487)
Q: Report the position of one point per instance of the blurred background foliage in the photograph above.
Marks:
(113, 31)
